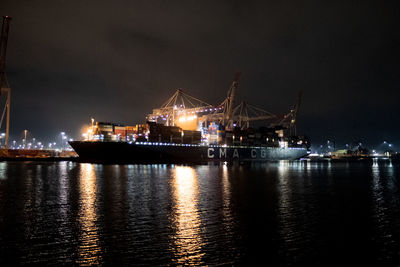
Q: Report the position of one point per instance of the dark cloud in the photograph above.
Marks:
(116, 60)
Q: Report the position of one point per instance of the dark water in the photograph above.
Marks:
(283, 213)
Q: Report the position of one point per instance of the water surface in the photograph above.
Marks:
(279, 213)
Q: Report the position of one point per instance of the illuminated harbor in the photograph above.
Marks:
(199, 133)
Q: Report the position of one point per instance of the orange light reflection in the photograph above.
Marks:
(188, 239)
(89, 248)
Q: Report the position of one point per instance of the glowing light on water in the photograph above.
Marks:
(3, 170)
(89, 247)
(187, 219)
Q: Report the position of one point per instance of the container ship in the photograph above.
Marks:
(186, 129)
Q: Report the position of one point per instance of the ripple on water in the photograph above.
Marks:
(282, 213)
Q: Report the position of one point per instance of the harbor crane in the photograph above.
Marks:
(229, 102)
(289, 120)
(178, 105)
(184, 106)
(4, 86)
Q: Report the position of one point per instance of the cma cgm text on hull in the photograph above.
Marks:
(147, 152)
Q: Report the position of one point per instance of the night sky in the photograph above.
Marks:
(68, 61)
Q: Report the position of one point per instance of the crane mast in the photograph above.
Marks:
(4, 86)
(294, 112)
(229, 104)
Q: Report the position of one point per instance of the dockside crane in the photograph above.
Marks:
(293, 129)
(245, 113)
(289, 120)
(180, 104)
(4, 86)
(229, 103)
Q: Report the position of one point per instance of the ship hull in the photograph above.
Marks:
(123, 152)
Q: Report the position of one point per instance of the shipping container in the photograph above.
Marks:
(119, 128)
(130, 130)
(104, 126)
(120, 132)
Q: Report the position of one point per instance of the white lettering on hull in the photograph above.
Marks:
(263, 153)
(222, 152)
(235, 153)
(209, 150)
(253, 153)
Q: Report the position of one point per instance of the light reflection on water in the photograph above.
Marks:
(198, 215)
(226, 197)
(32, 207)
(63, 189)
(384, 195)
(187, 241)
(89, 247)
(285, 207)
(3, 170)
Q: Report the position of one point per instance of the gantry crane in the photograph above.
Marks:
(227, 114)
(179, 104)
(4, 86)
(289, 120)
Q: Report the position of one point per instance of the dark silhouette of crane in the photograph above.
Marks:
(4, 86)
